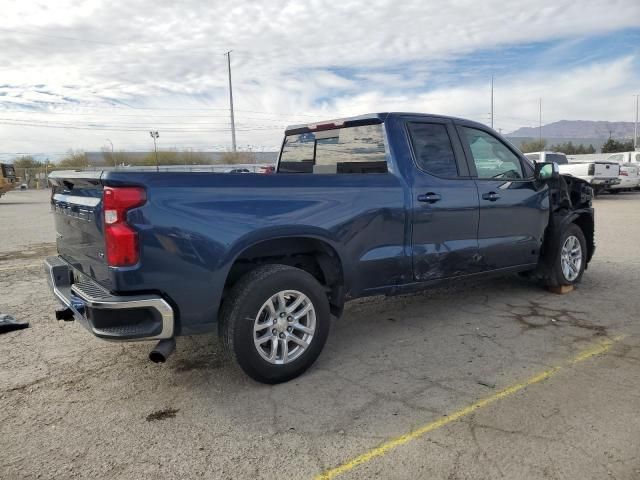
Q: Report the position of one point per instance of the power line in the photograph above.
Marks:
(187, 109)
(141, 129)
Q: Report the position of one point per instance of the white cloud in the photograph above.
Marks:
(292, 61)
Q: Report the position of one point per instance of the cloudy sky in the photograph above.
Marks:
(82, 73)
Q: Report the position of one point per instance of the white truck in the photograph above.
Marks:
(625, 157)
(629, 178)
(602, 175)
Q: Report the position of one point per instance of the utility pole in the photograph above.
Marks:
(233, 123)
(113, 157)
(491, 101)
(154, 134)
(540, 122)
(635, 129)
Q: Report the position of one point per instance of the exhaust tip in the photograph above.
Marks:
(162, 350)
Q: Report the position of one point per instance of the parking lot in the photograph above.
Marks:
(478, 380)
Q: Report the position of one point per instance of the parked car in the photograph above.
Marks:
(240, 170)
(625, 157)
(385, 203)
(600, 175)
(629, 178)
(267, 169)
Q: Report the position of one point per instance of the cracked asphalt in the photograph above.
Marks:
(73, 406)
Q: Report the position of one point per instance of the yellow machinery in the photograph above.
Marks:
(8, 179)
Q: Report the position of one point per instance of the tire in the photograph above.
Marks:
(615, 191)
(562, 273)
(247, 308)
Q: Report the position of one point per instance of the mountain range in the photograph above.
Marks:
(584, 129)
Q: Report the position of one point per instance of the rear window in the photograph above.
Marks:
(8, 171)
(344, 150)
(616, 158)
(557, 158)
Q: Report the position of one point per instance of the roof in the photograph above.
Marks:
(366, 119)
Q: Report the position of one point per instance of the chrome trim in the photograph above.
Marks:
(77, 200)
(157, 303)
(139, 301)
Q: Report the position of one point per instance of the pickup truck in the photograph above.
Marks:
(379, 204)
(601, 175)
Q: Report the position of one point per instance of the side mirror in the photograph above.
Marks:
(547, 171)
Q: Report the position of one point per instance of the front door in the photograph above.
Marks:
(444, 203)
(514, 208)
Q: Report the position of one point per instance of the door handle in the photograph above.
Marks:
(491, 196)
(429, 197)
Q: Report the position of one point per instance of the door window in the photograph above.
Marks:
(432, 149)
(492, 158)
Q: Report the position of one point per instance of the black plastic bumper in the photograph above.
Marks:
(112, 317)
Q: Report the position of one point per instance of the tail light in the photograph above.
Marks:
(121, 240)
(623, 173)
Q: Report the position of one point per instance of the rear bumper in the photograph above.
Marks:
(605, 182)
(112, 317)
(626, 182)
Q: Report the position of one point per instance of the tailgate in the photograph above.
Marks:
(76, 201)
(606, 169)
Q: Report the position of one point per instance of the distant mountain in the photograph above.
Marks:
(586, 129)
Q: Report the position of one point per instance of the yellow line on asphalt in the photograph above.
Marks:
(596, 349)
(20, 267)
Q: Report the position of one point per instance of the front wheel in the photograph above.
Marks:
(275, 322)
(571, 258)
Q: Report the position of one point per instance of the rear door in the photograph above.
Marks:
(514, 208)
(76, 201)
(444, 202)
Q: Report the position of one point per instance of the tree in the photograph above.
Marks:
(569, 148)
(533, 146)
(236, 157)
(26, 162)
(613, 146)
(165, 157)
(74, 159)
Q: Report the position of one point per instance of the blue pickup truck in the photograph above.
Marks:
(385, 203)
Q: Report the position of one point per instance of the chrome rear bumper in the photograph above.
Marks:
(112, 317)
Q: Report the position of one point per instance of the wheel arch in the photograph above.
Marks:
(316, 254)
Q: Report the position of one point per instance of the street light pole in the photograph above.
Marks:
(540, 123)
(154, 134)
(113, 157)
(491, 101)
(233, 123)
(635, 129)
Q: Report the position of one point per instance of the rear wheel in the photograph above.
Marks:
(571, 258)
(275, 322)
